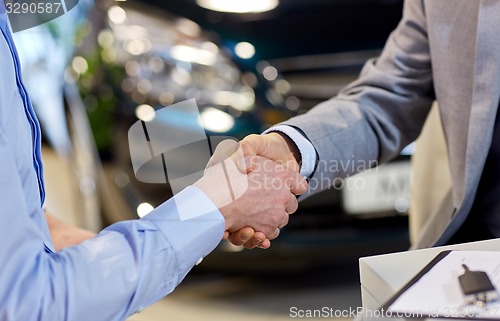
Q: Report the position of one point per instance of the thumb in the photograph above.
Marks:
(230, 149)
(223, 151)
(251, 146)
(274, 146)
(249, 152)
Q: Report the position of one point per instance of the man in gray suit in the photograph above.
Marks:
(442, 50)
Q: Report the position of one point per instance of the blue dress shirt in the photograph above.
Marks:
(127, 267)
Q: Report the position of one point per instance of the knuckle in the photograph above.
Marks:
(268, 231)
(276, 233)
(285, 198)
(236, 242)
(276, 219)
(252, 138)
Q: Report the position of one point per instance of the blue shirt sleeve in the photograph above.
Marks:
(127, 267)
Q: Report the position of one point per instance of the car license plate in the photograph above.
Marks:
(385, 188)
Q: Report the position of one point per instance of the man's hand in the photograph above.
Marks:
(65, 235)
(274, 146)
(266, 201)
(248, 238)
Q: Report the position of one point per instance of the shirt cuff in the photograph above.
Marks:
(306, 148)
(192, 225)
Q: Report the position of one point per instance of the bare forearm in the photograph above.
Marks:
(64, 234)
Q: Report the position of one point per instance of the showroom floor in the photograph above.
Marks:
(256, 297)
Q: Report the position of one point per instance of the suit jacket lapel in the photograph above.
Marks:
(485, 96)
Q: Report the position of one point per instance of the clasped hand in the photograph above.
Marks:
(254, 184)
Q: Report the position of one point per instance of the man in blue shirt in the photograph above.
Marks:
(129, 265)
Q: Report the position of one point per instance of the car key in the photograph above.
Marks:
(477, 287)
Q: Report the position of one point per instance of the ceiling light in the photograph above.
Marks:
(243, 101)
(105, 39)
(144, 86)
(270, 73)
(145, 113)
(216, 120)
(210, 46)
(132, 68)
(292, 103)
(238, 6)
(144, 209)
(137, 47)
(188, 27)
(80, 65)
(244, 50)
(193, 54)
(282, 86)
(166, 98)
(117, 15)
(181, 76)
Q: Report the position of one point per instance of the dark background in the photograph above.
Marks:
(299, 27)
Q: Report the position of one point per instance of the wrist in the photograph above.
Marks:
(228, 218)
(218, 198)
(292, 147)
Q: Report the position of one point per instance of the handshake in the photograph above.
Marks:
(254, 184)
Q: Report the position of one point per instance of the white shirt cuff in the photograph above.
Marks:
(306, 149)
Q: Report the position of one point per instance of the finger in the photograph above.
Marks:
(230, 149)
(226, 235)
(241, 236)
(281, 139)
(292, 165)
(274, 146)
(284, 220)
(255, 241)
(249, 150)
(253, 145)
(223, 151)
(274, 234)
(292, 205)
(265, 244)
(298, 184)
(211, 162)
(244, 163)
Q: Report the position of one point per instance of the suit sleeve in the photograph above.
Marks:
(127, 267)
(374, 118)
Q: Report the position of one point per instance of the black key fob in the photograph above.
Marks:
(477, 287)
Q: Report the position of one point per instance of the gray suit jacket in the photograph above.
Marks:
(447, 50)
